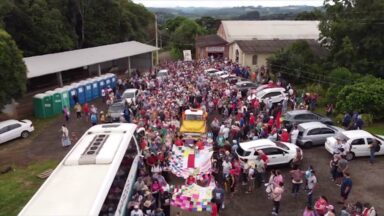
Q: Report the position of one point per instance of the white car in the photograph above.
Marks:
(278, 152)
(358, 142)
(130, 95)
(220, 73)
(12, 129)
(162, 74)
(210, 71)
(277, 95)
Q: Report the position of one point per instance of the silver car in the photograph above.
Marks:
(315, 133)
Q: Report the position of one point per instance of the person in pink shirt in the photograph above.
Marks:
(278, 178)
(277, 194)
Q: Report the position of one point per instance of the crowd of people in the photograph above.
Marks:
(234, 116)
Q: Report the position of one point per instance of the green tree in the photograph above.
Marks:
(364, 96)
(297, 63)
(209, 24)
(12, 70)
(183, 36)
(354, 28)
(38, 28)
(309, 15)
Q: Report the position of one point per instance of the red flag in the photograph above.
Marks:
(191, 161)
(278, 116)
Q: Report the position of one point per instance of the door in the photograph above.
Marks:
(359, 147)
(315, 136)
(3, 131)
(370, 142)
(325, 133)
(13, 132)
(276, 156)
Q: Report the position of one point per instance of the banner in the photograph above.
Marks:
(186, 161)
(193, 198)
(187, 55)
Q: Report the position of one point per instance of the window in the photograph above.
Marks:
(327, 131)
(3, 130)
(358, 142)
(254, 60)
(300, 116)
(271, 94)
(242, 152)
(13, 126)
(272, 151)
(370, 141)
(193, 117)
(316, 131)
(310, 116)
(237, 56)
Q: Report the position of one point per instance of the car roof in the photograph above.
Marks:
(257, 144)
(210, 69)
(309, 125)
(297, 112)
(163, 70)
(267, 90)
(353, 134)
(8, 122)
(194, 112)
(130, 90)
(243, 82)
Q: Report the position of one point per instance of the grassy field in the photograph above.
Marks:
(18, 186)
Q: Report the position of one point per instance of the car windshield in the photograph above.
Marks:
(282, 145)
(242, 152)
(162, 74)
(129, 95)
(193, 117)
(116, 108)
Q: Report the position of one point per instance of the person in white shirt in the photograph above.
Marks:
(136, 211)
(227, 166)
(294, 135)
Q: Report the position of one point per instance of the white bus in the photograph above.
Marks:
(95, 178)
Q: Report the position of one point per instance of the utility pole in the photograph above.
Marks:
(157, 51)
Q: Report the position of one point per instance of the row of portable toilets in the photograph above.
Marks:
(52, 102)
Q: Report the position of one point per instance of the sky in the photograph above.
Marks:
(226, 3)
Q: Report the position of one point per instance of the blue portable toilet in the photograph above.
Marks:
(108, 80)
(113, 79)
(95, 88)
(72, 90)
(88, 90)
(80, 92)
(101, 81)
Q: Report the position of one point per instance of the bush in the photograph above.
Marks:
(365, 96)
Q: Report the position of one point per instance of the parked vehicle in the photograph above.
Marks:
(296, 117)
(210, 71)
(277, 95)
(245, 85)
(115, 112)
(130, 95)
(12, 129)
(162, 74)
(278, 152)
(358, 142)
(315, 133)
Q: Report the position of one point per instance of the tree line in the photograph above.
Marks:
(351, 75)
(37, 27)
(47, 26)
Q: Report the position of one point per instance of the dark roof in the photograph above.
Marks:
(209, 40)
(272, 46)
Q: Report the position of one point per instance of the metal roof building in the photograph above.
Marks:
(56, 63)
(231, 30)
